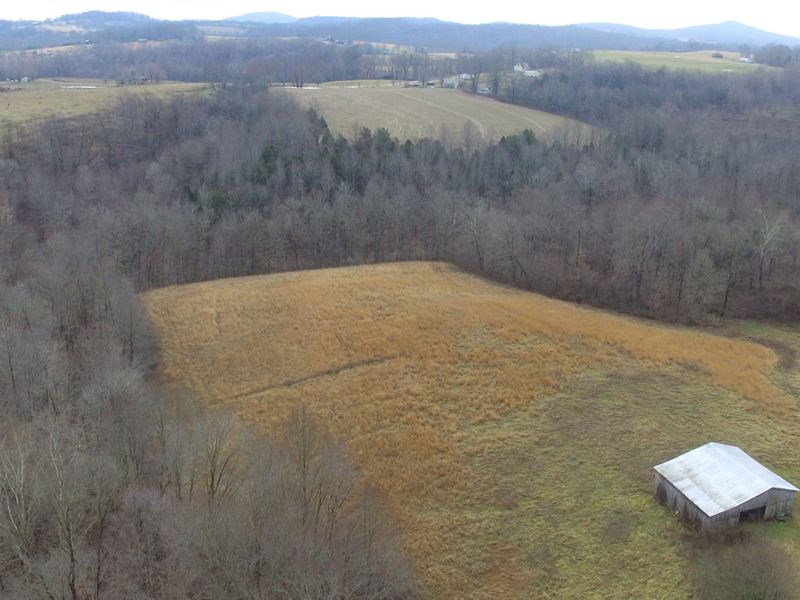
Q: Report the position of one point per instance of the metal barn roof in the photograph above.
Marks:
(718, 477)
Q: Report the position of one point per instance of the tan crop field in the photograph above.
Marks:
(513, 435)
(701, 60)
(413, 113)
(70, 97)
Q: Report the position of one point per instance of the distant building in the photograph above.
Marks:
(717, 485)
(520, 67)
(465, 76)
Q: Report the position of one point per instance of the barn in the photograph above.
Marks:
(717, 484)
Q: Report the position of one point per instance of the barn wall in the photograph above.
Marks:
(731, 517)
(777, 503)
(781, 503)
(672, 498)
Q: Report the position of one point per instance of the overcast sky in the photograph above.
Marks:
(779, 16)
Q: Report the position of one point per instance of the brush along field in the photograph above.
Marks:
(413, 113)
(513, 435)
(70, 97)
(700, 61)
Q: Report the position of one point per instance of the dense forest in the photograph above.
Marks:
(683, 206)
(257, 62)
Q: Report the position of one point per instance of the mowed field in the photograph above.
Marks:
(700, 60)
(70, 97)
(513, 435)
(413, 113)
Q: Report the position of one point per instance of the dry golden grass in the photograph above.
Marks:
(70, 97)
(413, 113)
(512, 434)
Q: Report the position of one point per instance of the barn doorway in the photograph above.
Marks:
(754, 514)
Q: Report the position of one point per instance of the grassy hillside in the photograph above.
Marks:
(415, 112)
(69, 97)
(700, 60)
(513, 435)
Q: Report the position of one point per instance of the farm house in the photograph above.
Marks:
(717, 484)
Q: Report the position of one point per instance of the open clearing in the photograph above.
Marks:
(413, 113)
(70, 97)
(700, 60)
(512, 434)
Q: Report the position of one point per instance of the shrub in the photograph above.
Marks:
(743, 565)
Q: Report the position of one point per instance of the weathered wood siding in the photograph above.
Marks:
(672, 498)
(776, 503)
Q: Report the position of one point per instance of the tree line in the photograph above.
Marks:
(255, 61)
(607, 93)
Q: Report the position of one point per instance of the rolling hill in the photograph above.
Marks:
(418, 112)
(702, 60)
(264, 17)
(447, 36)
(729, 33)
(434, 34)
(98, 19)
(71, 97)
(513, 435)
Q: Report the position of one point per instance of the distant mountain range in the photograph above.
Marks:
(443, 35)
(436, 35)
(430, 34)
(264, 17)
(729, 32)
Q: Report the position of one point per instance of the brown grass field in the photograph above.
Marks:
(69, 97)
(513, 435)
(413, 113)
